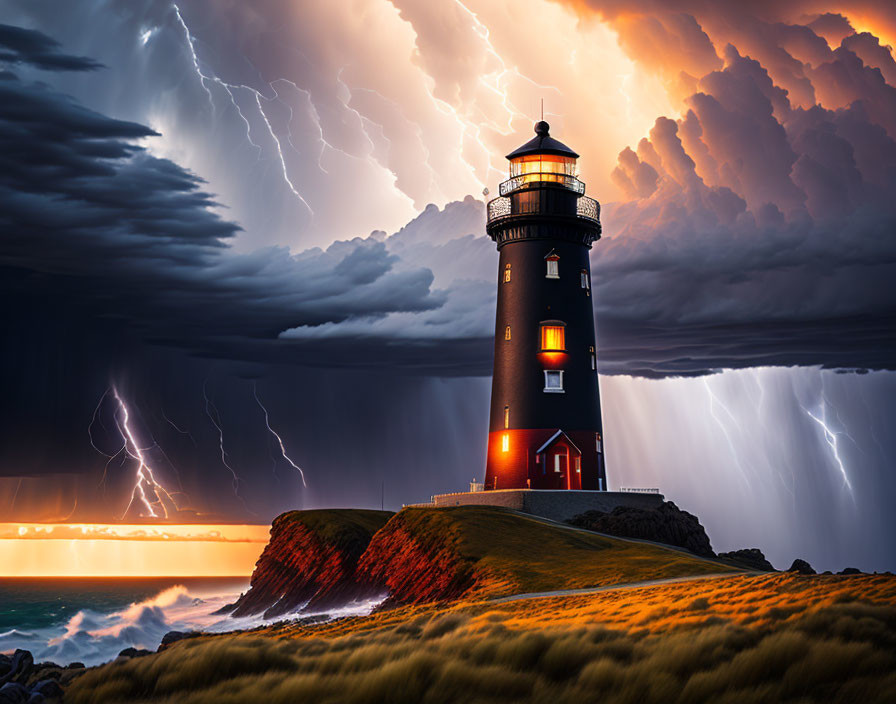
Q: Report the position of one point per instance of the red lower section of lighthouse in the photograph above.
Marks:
(545, 458)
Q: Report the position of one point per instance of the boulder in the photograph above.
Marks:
(13, 693)
(850, 570)
(135, 653)
(174, 636)
(18, 667)
(49, 689)
(801, 567)
(751, 558)
(665, 524)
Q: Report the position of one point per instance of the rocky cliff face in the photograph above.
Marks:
(310, 561)
(667, 524)
(412, 568)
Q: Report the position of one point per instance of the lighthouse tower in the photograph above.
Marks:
(545, 428)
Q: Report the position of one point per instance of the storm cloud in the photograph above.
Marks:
(159, 233)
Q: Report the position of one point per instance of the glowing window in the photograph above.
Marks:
(556, 463)
(507, 333)
(507, 274)
(553, 381)
(586, 280)
(553, 268)
(578, 464)
(553, 338)
(506, 416)
(505, 442)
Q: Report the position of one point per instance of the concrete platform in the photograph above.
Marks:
(558, 505)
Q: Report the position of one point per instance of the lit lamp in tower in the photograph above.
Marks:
(545, 429)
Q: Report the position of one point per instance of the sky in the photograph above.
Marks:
(244, 257)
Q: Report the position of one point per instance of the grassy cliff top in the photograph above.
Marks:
(514, 553)
(336, 526)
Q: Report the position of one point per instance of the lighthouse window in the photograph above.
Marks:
(556, 463)
(507, 333)
(506, 416)
(505, 443)
(507, 274)
(553, 268)
(593, 358)
(586, 280)
(597, 442)
(553, 337)
(553, 381)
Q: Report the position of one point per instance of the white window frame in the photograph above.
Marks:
(549, 373)
(557, 463)
(553, 270)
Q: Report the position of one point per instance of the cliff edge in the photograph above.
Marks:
(310, 561)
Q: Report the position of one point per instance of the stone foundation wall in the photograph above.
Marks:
(556, 505)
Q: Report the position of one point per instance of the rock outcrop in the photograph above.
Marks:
(666, 524)
(801, 567)
(24, 682)
(751, 558)
(310, 562)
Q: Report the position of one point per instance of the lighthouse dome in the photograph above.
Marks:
(543, 143)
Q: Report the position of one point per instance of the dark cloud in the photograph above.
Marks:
(795, 272)
(28, 46)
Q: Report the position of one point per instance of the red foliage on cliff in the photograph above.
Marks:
(310, 561)
(415, 566)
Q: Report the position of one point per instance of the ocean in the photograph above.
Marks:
(91, 620)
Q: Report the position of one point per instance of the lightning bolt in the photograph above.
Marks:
(713, 401)
(273, 432)
(216, 421)
(205, 79)
(148, 493)
(831, 438)
(15, 495)
(178, 428)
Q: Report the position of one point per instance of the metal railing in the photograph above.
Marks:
(588, 208)
(501, 207)
(517, 182)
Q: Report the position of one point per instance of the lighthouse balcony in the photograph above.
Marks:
(504, 207)
(539, 178)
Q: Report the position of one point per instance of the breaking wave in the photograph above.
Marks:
(92, 638)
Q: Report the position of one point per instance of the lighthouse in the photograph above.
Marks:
(545, 429)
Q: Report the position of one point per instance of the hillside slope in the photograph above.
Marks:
(424, 555)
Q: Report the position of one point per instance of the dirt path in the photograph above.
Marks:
(612, 587)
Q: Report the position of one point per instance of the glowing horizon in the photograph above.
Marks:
(130, 550)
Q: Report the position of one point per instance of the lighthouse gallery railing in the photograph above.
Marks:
(500, 207)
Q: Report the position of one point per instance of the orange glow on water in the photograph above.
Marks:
(129, 550)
